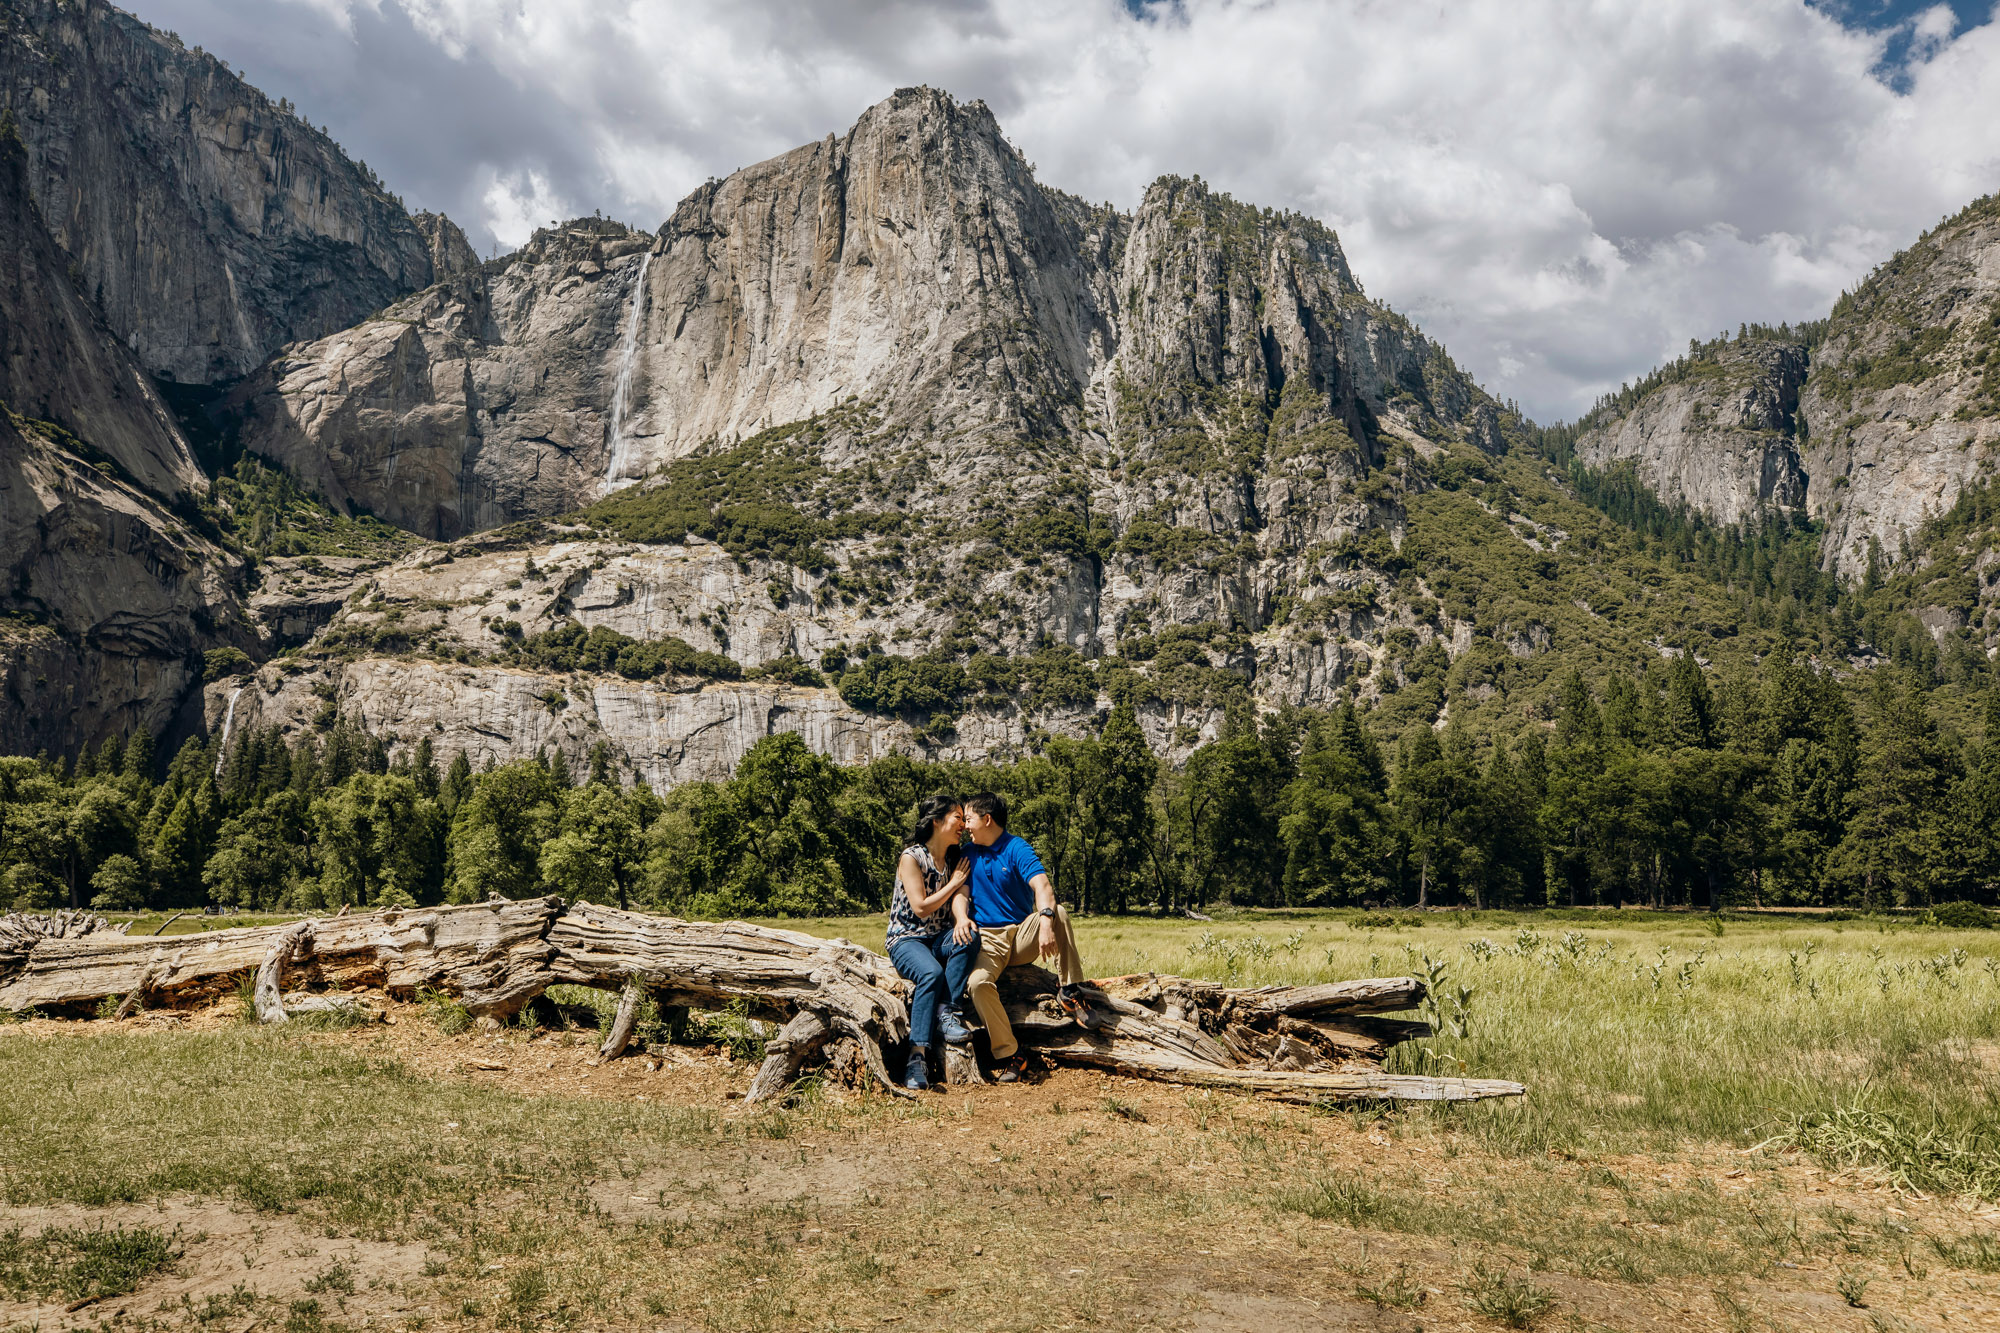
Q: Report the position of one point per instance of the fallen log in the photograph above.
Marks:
(1284, 1057)
(492, 956)
(833, 998)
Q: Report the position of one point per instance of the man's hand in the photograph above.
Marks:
(1047, 927)
(963, 932)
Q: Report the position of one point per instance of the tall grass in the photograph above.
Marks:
(1646, 1032)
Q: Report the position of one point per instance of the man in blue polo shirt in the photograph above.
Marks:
(1014, 906)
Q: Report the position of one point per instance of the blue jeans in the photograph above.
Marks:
(937, 967)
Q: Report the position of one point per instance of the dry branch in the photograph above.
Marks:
(626, 1019)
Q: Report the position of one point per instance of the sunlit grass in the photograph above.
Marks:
(1637, 1031)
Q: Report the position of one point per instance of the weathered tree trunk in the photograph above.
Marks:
(785, 1053)
(1301, 1042)
(493, 956)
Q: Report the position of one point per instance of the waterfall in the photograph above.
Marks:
(627, 353)
(228, 720)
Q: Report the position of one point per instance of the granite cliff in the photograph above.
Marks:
(1721, 434)
(882, 394)
(1871, 422)
(108, 595)
(881, 441)
(208, 224)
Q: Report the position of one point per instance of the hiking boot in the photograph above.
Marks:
(1079, 1010)
(1011, 1069)
(916, 1074)
(952, 1028)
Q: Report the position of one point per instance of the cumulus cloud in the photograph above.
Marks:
(1564, 193)
(517, 202)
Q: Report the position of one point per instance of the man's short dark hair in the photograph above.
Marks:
(989, 803)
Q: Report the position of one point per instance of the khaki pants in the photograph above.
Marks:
(999, 949)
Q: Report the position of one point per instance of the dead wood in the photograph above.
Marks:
(961, 1066)
(493, 956)
(626, 1019)
(787, 1052)
(296, 940)
(835, 999)
(161, 929)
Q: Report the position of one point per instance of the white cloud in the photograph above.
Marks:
(518, 202)
(340, 13)
(1563, 191)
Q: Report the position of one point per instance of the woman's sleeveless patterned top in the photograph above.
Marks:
(904, 922)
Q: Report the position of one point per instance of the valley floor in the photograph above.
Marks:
(190, 1171)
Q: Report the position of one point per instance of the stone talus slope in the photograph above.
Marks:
(1902, 407)
(1723, 439)
(110, 597)
(208, 224)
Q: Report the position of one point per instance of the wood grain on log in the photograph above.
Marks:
(265, 994)
(708, 964)
(491, 955)
(627, 1018)
(961, 1066)
(786, 1052)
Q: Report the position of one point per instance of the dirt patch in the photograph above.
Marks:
(792, 1176)
(231, 1265)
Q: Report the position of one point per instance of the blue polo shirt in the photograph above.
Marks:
(1001, 895)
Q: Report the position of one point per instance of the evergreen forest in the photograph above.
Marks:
(1674, 790)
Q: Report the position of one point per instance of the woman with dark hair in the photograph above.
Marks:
(933, 949)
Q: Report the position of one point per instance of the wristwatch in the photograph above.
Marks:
(1048, 912)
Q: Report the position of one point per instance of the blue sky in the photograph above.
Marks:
(1562, 191)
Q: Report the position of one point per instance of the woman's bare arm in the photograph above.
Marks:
(911, 875)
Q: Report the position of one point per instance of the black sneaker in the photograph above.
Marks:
(1011, 1069)
(1079, 1010)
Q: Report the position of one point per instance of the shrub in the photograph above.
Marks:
(222, 663)
(1961, 916)
(926, 687)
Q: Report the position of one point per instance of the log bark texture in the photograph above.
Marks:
(1306, 1043)
(493, 956)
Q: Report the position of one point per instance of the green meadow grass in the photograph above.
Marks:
(1650, 1031)
(1645, 1041)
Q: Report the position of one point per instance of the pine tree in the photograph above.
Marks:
(139, 756)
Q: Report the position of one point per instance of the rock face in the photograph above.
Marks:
(1903, 402)
(1003, 419)
(1892, 414)
(109, 597)
(912, 266)
(481, 399)
(1721, 436)
(209, 225)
